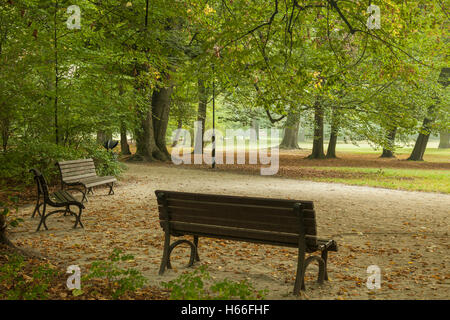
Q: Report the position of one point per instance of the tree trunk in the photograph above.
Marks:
(444, 140)
(389, 151)
(201, 114)
(317, 150)
(331, 151)
(103, 136)
(146, 148)
(255, 127)
(161, 109)
(124, 147)
(290, 137)
(421, 142)
(177, 137)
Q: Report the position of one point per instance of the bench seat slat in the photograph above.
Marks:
(72, 162)
(227, 206)
(184, 197)
(79, 177)
(246, 235)
(282, 224)
(96, 181)
(78, 173)
(68, 170)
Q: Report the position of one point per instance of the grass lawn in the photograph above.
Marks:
(403, 179)
(361, 165)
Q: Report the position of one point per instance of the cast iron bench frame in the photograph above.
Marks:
(280, 222)
(58, 199)
(82, 173)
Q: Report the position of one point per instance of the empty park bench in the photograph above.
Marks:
(82, 173)
(287, 223)
(58, 199)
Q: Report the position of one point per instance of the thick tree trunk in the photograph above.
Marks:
(146, 148)
(444, 140)
(161, 99)
(103, 136)
(317, 150)
(201, 114)
(177, 137)
(290, 138)
(388, 152)
(124, 147)
(421, 142)
(331, 151)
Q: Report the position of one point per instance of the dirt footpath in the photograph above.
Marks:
(405, 233)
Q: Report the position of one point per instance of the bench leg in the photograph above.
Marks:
(36, 208)
(90, 191)
(196, 248)
(299, 278)
(77, 218)
(325, 258)
(111, 191)
(42, 221)
(165, 257)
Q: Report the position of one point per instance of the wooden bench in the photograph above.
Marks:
(56, 199)
(287, 223)
(82, 173)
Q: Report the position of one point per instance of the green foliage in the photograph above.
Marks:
(19, 285)
(6, 217)
(16, 163)
(120, 281)
(192, 286)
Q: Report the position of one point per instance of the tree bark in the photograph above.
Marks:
(388, 152)
(291, 127)
(146, 148)
(444, 140)
(331, 151)
(255, 127)
(317, 150)
(103, 136)
(124, 147)
(421, 142)
(201, 113)
(161, 110)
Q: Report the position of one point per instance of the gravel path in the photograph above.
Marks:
(404, 233)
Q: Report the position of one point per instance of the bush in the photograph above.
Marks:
(191, 286)
(120, 281)
(20, 283)
(16, 163)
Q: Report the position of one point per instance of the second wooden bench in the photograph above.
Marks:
(82, 173)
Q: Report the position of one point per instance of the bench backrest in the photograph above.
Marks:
(41, 183)
(76, 169)
(259, 220)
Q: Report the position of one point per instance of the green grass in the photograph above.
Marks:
(402, 179)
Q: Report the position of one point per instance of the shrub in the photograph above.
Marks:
(16, 163)
(120, 281)
(18, 285)
(191, 286)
